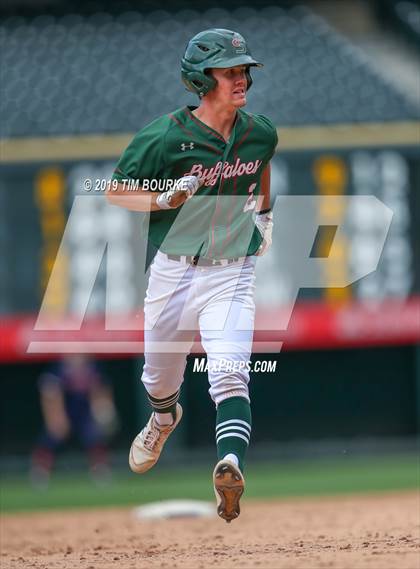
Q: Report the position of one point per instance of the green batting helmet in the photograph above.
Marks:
(214, 48)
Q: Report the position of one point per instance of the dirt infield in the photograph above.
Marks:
(375, 531)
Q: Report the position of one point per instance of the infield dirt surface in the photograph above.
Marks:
(373, 531)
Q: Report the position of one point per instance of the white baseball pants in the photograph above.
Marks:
(216, 300)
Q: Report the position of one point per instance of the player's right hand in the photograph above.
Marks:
(182, 191)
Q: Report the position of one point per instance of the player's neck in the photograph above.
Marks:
(219, 119)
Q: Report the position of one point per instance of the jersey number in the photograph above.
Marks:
(250, 202)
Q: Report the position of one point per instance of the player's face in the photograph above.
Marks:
(231, 86)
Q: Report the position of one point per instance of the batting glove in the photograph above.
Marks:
(183, 190)
(264, 223)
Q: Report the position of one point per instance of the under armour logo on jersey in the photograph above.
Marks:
(184, 146)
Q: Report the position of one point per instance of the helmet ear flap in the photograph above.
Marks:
(199, 82)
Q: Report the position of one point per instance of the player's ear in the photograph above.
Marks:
(209, 73)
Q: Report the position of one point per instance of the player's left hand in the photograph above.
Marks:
(264, 223)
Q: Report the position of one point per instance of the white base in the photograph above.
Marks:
(175, 509)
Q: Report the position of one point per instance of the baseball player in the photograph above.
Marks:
(208, 225)
(75, 398)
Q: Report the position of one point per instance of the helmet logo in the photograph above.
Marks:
(239, 43)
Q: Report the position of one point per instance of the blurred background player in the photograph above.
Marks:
(75, 400)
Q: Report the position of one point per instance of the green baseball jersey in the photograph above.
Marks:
(217, 222)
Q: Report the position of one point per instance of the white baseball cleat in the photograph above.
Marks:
(229, 486)
(147, 446)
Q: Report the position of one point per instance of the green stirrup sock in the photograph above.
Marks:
(233, 428)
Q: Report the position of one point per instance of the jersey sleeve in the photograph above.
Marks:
(270, 135)
(144, 156)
